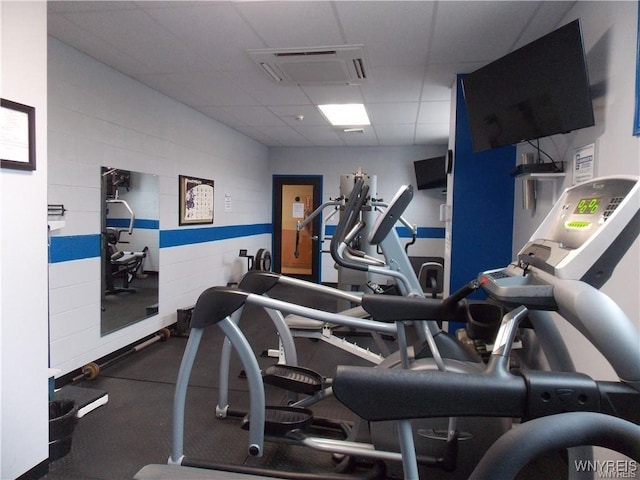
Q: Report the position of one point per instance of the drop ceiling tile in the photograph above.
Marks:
(292, 23)
(388, 113)
(264, 90)
(84, 6)
(434, 112)
(478, 31)
(360, 139)
(137, 34)
(213, 30)
(172, 86)
(255, 116)
(438, 80)
(395, 134)
(285, 135)
(432, 133)
(311, 115)
(68, 32)
(407, 27)
(259, 136)
(325, 136)
(222, 115)
(545, 21)
(393, 84)
(320, 95)
(211, 89)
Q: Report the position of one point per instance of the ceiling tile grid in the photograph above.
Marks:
(197, 53)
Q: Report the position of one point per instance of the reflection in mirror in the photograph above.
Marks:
(129, 248)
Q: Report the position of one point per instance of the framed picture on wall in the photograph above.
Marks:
(17, 136)
(196, 200)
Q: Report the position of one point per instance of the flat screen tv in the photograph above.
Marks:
(539, 90)
(431, 173)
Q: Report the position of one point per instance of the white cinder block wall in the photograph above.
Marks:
(393, 167)
(24, 432)
(99, 117)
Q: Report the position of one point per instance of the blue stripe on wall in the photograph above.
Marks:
(403, 232)
(143, 223)
(187, 236)
(76, 247)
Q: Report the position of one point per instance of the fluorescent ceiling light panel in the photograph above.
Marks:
(345, 115)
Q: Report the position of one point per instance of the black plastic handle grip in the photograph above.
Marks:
(459, 294)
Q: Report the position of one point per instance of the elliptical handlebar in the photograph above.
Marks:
(496, 392)
(301, 224)
(460, 294)
(356, 201)
(346, 229)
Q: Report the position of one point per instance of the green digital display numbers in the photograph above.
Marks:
(587, 206)
(577, 225)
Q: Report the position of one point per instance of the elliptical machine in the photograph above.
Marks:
(549, 397)
(561, 269)
(223, 306)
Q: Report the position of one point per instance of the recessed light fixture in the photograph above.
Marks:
(348, 114)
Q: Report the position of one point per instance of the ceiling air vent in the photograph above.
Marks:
(339, 65)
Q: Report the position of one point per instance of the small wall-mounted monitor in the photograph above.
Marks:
(431, 173)
(538, 90)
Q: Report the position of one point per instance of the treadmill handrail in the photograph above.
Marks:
(519, 446)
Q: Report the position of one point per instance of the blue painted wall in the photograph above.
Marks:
(482, 217)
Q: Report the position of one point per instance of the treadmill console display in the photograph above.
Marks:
(588, 206)
(583, 210)
(583, 237)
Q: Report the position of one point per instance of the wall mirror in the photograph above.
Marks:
(130, 250)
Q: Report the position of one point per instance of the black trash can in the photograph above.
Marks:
(63, 416)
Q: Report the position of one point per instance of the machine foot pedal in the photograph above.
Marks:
(293, 379)
(282, 419)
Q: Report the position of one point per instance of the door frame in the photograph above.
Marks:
(277, 182)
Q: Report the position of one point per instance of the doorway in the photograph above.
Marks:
(296, 253)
